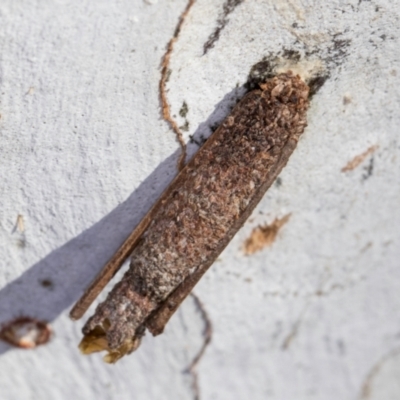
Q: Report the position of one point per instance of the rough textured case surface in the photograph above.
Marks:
(205, 205)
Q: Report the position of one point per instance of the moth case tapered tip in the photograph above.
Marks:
(96, 341)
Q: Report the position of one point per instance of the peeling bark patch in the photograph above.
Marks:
(357, 160)
(25, 332)
(222, 21)
(264, 236)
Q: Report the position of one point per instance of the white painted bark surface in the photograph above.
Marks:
(85, 152)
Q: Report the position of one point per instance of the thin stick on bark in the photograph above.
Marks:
(122, 254)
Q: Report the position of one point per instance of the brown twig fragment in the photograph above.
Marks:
(199, 213)
(264, 235)
(165, 73)
(356, 161)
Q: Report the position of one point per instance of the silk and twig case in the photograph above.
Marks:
(196, 217)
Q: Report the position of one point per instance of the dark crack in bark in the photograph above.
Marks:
(207, 335)
(222, 21)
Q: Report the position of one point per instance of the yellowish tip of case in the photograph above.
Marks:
(96, 341)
